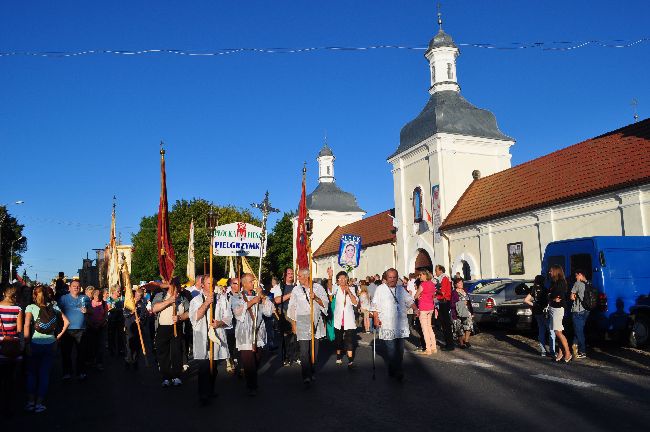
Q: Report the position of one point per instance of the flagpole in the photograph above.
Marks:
(311, 301)
(211, 224)
(211, 307)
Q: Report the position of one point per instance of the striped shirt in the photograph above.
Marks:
(9, 319)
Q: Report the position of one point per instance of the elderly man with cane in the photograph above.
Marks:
(389, 306)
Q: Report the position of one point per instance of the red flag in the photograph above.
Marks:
(166, 257)
(301, 235)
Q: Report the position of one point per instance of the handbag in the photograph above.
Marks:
(9, 345)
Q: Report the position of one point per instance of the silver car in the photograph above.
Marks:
(486, 298)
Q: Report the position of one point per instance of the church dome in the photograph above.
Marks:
(325, 151)
(329, 197)
(449, 112)
(441, 39)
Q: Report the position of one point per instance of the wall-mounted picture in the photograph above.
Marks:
(516, 258)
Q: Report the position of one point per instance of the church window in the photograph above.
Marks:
(417, 205)
(433, 74)
(328, 170)
(450, 73)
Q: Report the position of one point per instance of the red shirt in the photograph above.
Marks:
(445, 289)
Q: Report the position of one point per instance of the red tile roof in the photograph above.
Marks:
(612, 161)
(374, 230)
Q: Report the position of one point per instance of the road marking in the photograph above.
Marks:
(473, 363)
(564, 380)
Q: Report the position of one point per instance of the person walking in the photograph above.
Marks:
(170, 309)
(345, 327)
(249, 310)
(300, 311)
(40, 332)
(132, 335)
(557, 302)
(424, 296)
(206, 328)
(364, 301)
(11, 347)
(537, 298)
(74, 306)
(281, 296)
(389, 306)
(95, 328)
(461, 313)
(232, 363)
(579, 313)
(115, 325)
(443, 295)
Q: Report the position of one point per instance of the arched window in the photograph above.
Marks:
(450, 72)
(328, 170)
(433, 74)
(417, 205)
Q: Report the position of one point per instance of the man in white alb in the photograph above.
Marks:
(299, 310)
(389, 306)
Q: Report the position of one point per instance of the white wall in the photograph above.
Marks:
(624, 212)
(447, 160)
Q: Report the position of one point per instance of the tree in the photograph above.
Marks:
(11, 231)
(145, 256)
(279, 251)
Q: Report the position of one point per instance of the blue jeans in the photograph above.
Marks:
(579, 321)
(543, 329)
(39, 365)
(395, 350)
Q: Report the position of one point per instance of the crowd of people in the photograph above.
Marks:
(233, 322)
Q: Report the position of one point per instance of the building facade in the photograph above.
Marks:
(599, 187)
(438, 153)
(378, 247)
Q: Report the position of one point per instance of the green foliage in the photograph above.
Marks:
(145, 257)
(11, 230)
(279, 251)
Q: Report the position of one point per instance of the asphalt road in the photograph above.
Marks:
(500, 383)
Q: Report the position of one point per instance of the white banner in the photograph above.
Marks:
(238, 239)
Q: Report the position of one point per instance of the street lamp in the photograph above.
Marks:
(2, 220)
(11, 258)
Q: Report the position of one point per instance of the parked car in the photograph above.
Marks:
(487, 298)
(618, 268)
(471, 285)
(515, 314)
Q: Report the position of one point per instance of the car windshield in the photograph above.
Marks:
(490, 288)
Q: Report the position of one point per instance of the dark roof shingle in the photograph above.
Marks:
(611, 161)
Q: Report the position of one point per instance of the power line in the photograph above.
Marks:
(543, 46)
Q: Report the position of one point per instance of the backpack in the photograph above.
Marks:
(590, 298)
(48, 321)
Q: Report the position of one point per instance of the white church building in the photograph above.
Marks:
(459, 203)
(438, 152)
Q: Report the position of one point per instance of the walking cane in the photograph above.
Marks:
(374, 332)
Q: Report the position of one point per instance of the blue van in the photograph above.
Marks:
(619, 267)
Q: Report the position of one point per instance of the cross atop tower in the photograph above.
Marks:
(439, 17)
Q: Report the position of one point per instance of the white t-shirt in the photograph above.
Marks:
(344, 309)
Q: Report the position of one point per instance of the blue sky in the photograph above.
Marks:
(76, 131)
